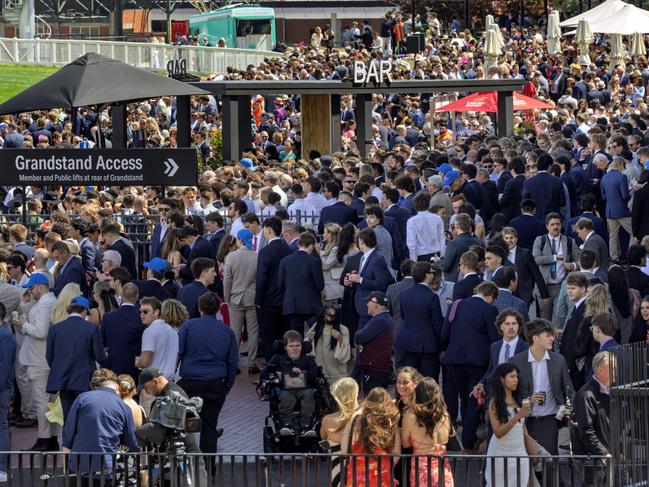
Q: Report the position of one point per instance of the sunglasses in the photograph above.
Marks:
(144, 311)
(164, 210)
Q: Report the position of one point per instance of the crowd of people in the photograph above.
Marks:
(503, 268)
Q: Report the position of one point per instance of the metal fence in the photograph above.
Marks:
(59, 52)
(243, 470)
(630, 414)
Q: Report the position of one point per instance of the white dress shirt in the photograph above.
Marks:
(364, 260)
(237, 225)
(308, 212)
(561, 271)
(512, 348)
(542, 384)
(425, 235)
(316, 200)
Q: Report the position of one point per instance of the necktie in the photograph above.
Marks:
(254, 243)
(360, 267)
(508, 350)
(553, 267)
(553, 243)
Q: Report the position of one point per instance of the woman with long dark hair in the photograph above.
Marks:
(346, 248)
(640, 332)
(427, 428)
(507, 414)
(331, 344)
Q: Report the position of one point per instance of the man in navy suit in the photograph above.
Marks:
(509, 323)
(587, 205)
(341, 212)
(463, 239)
(152, 286)
(90, 255)
(301, 280)
(392, 210)
(418, 340)
(470, 278)
(121, 334)
(70, 269)
(198, 245)
(467, 334)
(268, 296)
(406, 188)
(510, 199)
(373, 274)
(507, 281)
(527, 225)
(545, 189)
(204, 272)
(471, 189)
(361, 192)
(577, 286)
(73, 348)
(214, 225)
(586, 231)
(166, 207)
(110, 235)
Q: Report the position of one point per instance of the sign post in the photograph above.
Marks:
(99, 167)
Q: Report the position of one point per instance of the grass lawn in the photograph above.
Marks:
(14, 78)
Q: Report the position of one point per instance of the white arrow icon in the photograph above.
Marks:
(170, 167)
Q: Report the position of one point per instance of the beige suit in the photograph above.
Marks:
(239, 277)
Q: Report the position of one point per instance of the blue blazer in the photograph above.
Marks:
(547, 191)
(510, 201)
(90, 256)
(215, 240)
(73, 272)
(464, 287)
(73, 347)
(128, 256)
(359, 206)
(399, 247)
(502, 181)
(121, 334)
(494, 354)
(507, 300)
(598, 225)
(615, 193)
(156, 244)
(267, 289)
(468, 337)
(473, 193)
(406, 204)
(300, 278)
(401, 216)
(189, 294)
(422, 321)
(202, 248)
(376, 277)
(528, 229)
(152, 288)
(338, 213)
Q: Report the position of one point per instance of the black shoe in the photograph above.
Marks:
(42, 444)
(17, 419)
(26, 423)
(219, 432)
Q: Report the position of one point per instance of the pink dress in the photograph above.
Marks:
(420, 463)
(374, 477)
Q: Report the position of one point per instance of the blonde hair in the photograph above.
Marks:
(4, 275)
(618, 164)
(345, 393)
(596, 301)
(334, 229)
(126, 385)
(173, 312)
(60, 310)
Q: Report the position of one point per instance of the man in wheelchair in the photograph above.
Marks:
(298, 374)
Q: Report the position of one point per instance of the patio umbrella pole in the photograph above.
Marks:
(24, 206)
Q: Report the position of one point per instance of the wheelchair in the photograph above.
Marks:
(297, 442)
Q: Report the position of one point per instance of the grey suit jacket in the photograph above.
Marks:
(544, 258)
(239, 277)
(393, 294)
(558, 373)
(598, 245)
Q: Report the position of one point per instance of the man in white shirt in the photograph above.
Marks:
(312, 188)
(236, 210)
(270, 181)
(425, 231)
(159, 345)
(301, 211)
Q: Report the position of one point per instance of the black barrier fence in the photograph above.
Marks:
(630, 414)
(243, 470)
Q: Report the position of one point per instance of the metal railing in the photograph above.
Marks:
(59, 52)
(291, 470)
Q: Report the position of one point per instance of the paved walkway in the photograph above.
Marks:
(242, 419)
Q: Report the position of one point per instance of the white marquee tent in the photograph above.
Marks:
(613, 17)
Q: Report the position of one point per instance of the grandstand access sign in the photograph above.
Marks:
(99, 167)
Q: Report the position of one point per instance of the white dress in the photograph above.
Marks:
(511, 445)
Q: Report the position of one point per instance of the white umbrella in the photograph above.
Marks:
(613, 17)
(491, 51)
(554, 33)
(637, 45)
(583, 38)
(489, 23)
(617, 51)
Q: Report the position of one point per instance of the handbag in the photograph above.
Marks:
(454, 443)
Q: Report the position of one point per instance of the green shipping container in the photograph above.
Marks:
(242, 27)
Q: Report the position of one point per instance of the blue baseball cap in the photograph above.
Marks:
(156, 264)
(247, 164)
(245, 236)
(445, 168)
(451, 177)
(35, 279)
(80, 301)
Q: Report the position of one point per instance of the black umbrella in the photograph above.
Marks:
(93, 79)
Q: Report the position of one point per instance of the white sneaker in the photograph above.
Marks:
(3, 476)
